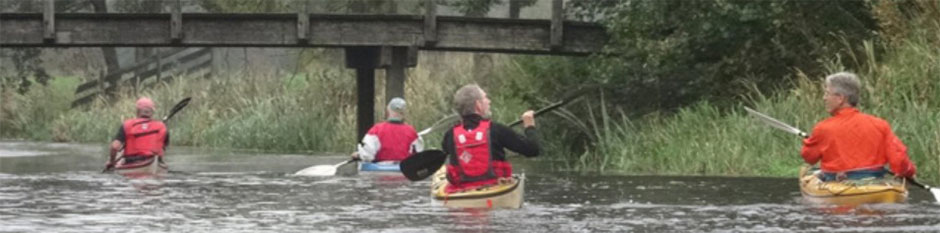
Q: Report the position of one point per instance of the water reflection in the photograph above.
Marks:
(204, 194)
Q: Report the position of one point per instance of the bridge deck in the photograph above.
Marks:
(287, 30)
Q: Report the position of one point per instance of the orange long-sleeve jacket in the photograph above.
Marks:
(850, 140)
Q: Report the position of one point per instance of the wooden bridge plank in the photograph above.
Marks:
(280, 30)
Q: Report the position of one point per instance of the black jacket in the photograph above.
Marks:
(501, 136)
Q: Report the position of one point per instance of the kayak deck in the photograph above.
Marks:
(379, 167)
(145, 168)
(508, 193)
(853, 192)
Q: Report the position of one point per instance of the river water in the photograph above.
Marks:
(50, 187)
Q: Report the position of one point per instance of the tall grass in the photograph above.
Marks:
(311, 111)
(902, 87)
(30, 115)
(315, 110)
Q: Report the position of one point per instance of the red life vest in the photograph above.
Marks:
(144, 137)
(473, 165)
(395, 138)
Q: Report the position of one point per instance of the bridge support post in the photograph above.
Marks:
(395, 60)
(395, 75)
(364, 60)
(48, 21)
(556, 39)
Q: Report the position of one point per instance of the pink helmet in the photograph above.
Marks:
(145, 103)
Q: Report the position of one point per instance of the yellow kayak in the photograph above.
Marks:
(506, 194)
(853, 192)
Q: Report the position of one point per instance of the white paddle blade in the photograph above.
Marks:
(425, 131)
(447, 121)
(936, 194)
(318, 170)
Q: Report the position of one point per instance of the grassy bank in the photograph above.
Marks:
(312, 111)
(903, 88)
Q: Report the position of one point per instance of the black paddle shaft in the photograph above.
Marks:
(567, 99)
(421, 165)
(176, 108)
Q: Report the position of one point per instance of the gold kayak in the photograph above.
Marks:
(852, 192)
(507, 193)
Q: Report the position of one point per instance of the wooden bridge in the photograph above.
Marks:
(370, 41)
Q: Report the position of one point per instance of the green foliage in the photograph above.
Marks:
(26, 70)
(676, 73)
(30, 115)
(312, 6)
(668, 54)
(313, 110)
(704, 139)
(670, 87)
(471, 8)
(245, 6)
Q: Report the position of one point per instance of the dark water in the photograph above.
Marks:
(59, 188)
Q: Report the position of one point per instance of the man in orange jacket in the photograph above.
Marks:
(851, 144)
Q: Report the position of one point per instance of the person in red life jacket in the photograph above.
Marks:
(476, 146)
(141, 137)
(392, 140)
(851, 144)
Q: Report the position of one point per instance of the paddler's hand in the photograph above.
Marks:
(109, 165)
(355, 155)
(528, 119)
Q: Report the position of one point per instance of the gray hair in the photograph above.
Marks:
(845, 84)
(466, 97)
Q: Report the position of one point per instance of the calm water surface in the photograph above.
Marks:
(49, 187)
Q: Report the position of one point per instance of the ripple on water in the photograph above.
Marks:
(275, 202)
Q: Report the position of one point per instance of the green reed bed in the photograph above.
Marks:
(902, 88)
(311, 111)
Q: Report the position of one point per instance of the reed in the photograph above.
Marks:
(311, 111)
(903, 87)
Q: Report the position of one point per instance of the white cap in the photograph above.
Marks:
(397, 104)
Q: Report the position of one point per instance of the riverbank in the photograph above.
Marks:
(313, 109)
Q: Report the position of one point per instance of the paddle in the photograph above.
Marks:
(420, 166)
(345, 168)
(176, 108)
(776, 124)
(793, 130)
(423, 164)
(447, 121)
(933, 190)
(348, 168)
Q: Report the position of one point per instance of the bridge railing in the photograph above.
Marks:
(520, 9)
(161, 67)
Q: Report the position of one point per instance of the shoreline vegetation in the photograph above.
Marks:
(313, 111)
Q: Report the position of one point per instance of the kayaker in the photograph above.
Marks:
(391, 140)
(141, 138)
(851, 144)
(475, 146)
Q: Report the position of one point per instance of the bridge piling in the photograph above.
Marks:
(48, 22)
(364, 59)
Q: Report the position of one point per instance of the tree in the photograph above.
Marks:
(671, 53)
